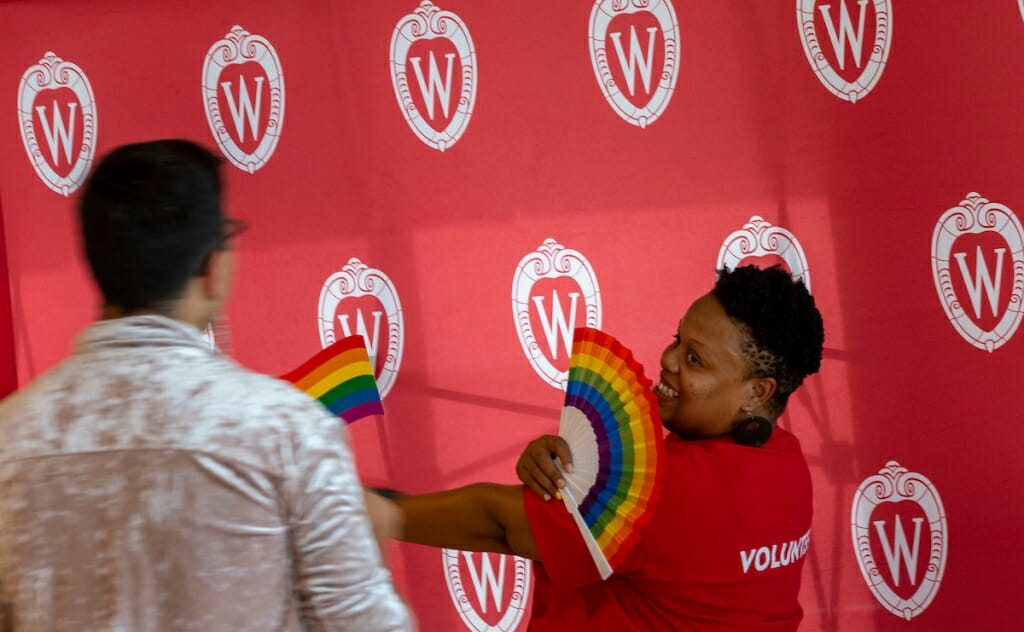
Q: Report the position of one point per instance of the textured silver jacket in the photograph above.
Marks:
(148, 483)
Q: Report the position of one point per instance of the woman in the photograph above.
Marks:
(726, 544)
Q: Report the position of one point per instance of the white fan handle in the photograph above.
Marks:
(573, 507)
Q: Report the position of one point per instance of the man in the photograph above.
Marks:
(149, 483)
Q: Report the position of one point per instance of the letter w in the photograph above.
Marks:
(244, 108)
(372, 342)
(845, 32)
(58, 134)
(557, 320)
(899, 549)
(486, 581)
(427, 88)
(636, 58)
(982, 279)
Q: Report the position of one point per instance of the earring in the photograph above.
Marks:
(752, 431)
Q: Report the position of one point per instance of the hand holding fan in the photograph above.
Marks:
(341, 378)
(610, 422)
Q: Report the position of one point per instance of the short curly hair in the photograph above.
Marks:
(785, 331)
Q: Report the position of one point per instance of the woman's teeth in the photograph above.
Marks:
(665, 391)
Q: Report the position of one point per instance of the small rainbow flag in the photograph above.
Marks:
(341, 378)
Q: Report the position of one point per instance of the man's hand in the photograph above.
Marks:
(536, 466)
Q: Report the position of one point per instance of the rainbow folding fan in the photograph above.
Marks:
(610, 421)
(341, 378)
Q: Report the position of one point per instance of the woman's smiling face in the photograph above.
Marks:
(705, 385)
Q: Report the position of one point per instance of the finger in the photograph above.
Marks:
(534, 472)
(542, 468)
(523, 471)
(561, 450)
(556, 447)
(546, 481)
(538, 459)
(547, 469)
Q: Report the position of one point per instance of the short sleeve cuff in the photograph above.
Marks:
(560, 545)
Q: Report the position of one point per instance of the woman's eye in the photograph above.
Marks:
(692, 358)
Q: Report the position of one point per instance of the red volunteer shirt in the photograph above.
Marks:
(723, 551)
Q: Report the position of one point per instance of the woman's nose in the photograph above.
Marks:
(670, 359)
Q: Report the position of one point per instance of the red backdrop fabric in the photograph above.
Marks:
(414, 170)
(8, 368)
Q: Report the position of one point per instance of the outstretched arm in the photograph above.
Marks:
(479, 517)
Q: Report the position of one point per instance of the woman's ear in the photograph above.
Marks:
(762, 390)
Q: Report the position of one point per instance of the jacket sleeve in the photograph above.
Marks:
(5, 612)
(341, 580)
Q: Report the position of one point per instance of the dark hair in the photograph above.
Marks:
(786, 333)
(150, 216)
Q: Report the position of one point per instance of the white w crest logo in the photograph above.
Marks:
(553, 261)
(256, 103)
(489, 583)
(59, 132)
(557, 327)
(354, 281)
(846, 32)
(455, 88)
(433, 82)
(869, 53)
(900, 550)
(636, 58)
(895, 484)
(485, 580)
(655, 58)
(58, 135)
(373, 341)
(982, 279)
(977, 216)
(244, 109)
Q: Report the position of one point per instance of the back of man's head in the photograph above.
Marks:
(150, 215)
